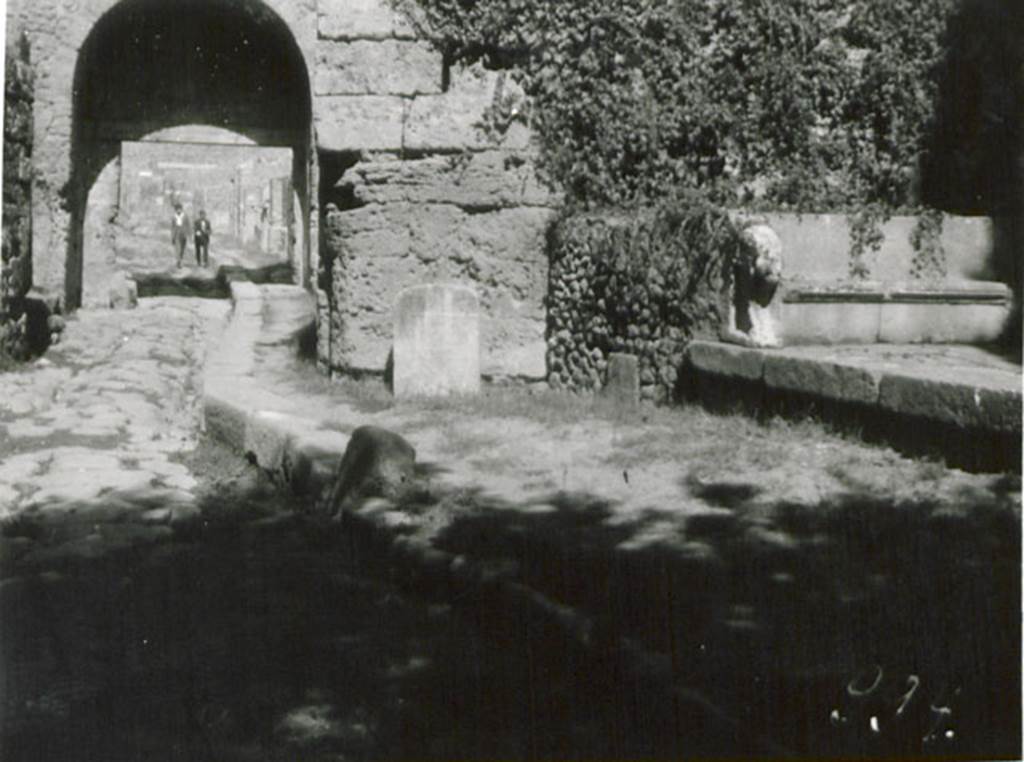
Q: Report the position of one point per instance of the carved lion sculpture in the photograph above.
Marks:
(754, 312)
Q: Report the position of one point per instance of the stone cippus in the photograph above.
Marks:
(894, 705)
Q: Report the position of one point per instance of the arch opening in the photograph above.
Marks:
(220, 76)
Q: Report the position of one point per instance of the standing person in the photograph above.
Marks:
(202, 239)
(181, 226)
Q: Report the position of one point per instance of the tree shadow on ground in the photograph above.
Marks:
(137, 627)
(773, 611)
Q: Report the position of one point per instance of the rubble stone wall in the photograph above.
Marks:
(16, 267)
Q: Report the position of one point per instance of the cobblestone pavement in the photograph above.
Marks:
(109, 411)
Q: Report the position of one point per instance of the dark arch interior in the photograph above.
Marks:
(149, 64)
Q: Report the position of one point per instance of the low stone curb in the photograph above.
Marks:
(936, 406)
(301, 457)
(975, 405)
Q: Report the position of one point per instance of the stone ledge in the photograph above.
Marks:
(951, 402)
(827, 379)
(485, 180)
(981, 399)
(870, 292)
(726, 360)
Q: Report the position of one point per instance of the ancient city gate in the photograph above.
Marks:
(143, 68)
(404, 173)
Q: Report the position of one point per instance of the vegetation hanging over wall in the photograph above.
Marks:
(814, 105)
(15, 259)
(803, 105)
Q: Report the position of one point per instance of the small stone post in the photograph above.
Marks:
(437, 341)
(623, 382)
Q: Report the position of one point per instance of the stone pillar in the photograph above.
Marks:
(437, 341)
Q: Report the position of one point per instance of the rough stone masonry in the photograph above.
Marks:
(406, 170)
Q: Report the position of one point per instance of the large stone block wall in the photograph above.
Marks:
(16, 264)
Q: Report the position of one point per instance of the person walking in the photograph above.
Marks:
(181, 226)
(202, 239)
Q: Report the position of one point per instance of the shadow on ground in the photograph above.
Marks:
(856, 627)
(141, 626)
(138, 627)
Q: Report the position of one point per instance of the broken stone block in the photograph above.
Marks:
(376, 463)
(437, 341)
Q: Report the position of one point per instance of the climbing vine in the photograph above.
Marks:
(810, 105)
(929, 262)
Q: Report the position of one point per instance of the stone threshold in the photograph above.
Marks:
(960, 402)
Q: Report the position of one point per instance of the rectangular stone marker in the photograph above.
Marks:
(623, 382)
(437, 341)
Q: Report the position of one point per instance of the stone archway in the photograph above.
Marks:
(148, 66)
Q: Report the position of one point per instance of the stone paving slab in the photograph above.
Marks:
(952, 384)
(107, 410)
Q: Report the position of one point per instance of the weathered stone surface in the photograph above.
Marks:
(823, 379)
(360, 19)
(472, 181)
(726, 360)
(817, 246)
(123, 293)
(448, 122)
(359, 122)
(903, 323)
(376, 463)
(289, 312)
(437, 341)
(386, 67)
(457, 122)
(622, 385)
(480, 110)
(830, 323)
(950, 401)
(388, 247)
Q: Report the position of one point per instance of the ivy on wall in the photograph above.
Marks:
(812, 105)
(643, 283)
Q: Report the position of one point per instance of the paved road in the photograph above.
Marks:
(110, 410)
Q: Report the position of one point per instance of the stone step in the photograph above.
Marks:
(288, 313)
(961, 401)
(198, 281)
